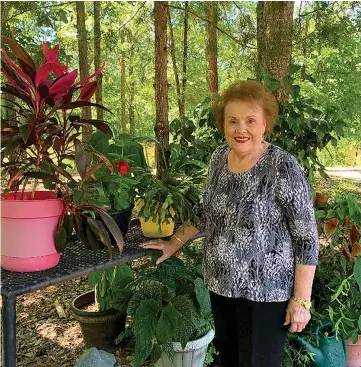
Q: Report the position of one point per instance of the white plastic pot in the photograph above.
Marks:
(193, 355)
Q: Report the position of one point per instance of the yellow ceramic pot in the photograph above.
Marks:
(151, 227)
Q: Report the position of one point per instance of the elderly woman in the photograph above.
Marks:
(261, 244)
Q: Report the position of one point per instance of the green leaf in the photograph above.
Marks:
(100, 142)
(81, 160)
(359, 323)
(167, 348)
(156, 353)
(143, 349)
(144, 289)
(12, 145)
(78, 195)
(145, 322)
(184, 328)
(202, 295)
(24, 132)
(357, 270)
(123, 275)
(120, 202)
(94, 278)
(60, 239)
(167, 323)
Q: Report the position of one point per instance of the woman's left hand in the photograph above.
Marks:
(297, 315)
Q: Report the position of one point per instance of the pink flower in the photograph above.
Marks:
(122, 167)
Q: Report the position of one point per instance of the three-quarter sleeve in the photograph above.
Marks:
(293, 194)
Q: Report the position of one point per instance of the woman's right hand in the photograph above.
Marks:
(167, 247)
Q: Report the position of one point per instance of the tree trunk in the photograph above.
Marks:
(175, 68)
(161, 128)
(97, 58)
(274, 41)
(185, 58)
(212, 47)
(83, 58)
(122, 90)
(131, 97)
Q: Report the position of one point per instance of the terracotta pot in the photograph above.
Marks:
(321, 200)
(28, 231)
(354, 353)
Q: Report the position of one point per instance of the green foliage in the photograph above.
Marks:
(302, 129)
(338, 274)
(119, 188)
(197, 134)
(167, 303)
(110, 287)
(175, 193)
(347, 153)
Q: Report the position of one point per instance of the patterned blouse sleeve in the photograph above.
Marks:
(199, 218)
(293, 193)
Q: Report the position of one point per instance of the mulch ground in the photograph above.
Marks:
(46, 340)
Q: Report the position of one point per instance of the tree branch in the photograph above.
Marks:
(206, 20)
(42, 7)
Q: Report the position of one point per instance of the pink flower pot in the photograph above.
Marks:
(28, 231)
(354, 353)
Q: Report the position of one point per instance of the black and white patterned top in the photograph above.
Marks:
(258, 225)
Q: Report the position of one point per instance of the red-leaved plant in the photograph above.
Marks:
(43, 133)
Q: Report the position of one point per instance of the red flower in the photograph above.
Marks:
(122, 167)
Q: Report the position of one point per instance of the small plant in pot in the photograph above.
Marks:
(99, 321)
(127, 157)
(41, 142)
(170, 314)
(170, 198)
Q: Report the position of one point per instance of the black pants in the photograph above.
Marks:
(249, 334)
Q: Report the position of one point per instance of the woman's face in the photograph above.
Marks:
(244, 126)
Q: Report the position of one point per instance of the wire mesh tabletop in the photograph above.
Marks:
(76, 260)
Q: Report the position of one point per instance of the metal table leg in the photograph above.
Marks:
(9, 330)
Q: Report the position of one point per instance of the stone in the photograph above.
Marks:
(95, 357)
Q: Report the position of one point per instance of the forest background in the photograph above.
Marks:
(204, 39)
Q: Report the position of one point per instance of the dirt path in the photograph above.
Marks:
(353, 173)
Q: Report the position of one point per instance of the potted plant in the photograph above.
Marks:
(127, 157)
(99, 321)
(41, 143)
(170, 313)
(342, 228)
(163, 200)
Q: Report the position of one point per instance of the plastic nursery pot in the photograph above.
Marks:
(193, 355)
(151, 228)
(28, 229)
(122, 218)
(99, 328)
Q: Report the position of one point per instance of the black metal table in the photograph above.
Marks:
(76, 261)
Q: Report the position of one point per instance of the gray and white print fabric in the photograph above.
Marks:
(258, 224)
